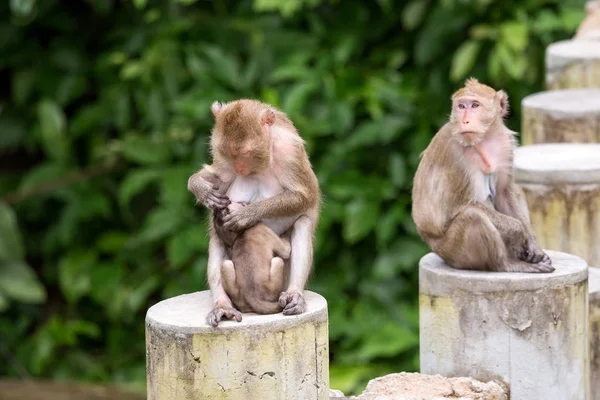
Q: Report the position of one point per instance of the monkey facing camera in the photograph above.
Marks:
(259, 159)
(466, 205)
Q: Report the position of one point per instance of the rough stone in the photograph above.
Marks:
(415, 386)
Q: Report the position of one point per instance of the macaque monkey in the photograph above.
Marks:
(259, 159)
(466, 205)
(590, 26)
(254, 276)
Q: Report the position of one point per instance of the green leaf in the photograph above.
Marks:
(23, 85)
(22, 7)
(40, 175)
(160, 222)
(53, 125)
(145, 151)
(106, 279)
(112, 242)
(361, 216)
(388, 340)
(515, 35)
(464, 59)
(413, 14)
(398, 169)
(74, 274)
(19, 282)
(3, 303)
(139, 4)
(403, 255)
(11, 243)
(184, 244)
(173, 184)
(135, 182)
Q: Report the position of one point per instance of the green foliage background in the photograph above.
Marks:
(105, 113)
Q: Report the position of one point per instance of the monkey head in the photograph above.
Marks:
(476, 108)
(241, 135)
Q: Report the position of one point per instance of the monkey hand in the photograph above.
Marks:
(207, 193)
(240, 219)
(219, 313)
(292, 303)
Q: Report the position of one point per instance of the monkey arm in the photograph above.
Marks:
(209, 186)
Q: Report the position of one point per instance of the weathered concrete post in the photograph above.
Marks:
(594, 290)
(570, 115)
(573, 64)
(530, 331)
(263, 357)
(562, 187)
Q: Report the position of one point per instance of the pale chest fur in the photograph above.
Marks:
(487, 161)
(250, 189)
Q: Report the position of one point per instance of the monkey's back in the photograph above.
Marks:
(440, 186)
(251, 254)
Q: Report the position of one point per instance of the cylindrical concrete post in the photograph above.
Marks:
(530, 331)
(570, 115)
(572, 64)
(594, 290)
(263, 357)
(561, 182)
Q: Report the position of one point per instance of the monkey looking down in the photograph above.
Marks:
(254, 276)
(466, 205)
(259, 159)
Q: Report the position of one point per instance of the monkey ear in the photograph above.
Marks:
(502, 99)
(215, 108)
(267, 117)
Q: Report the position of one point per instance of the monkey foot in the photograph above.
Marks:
(292, 303)
(219, 313)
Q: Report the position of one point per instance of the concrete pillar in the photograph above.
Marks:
(263, 357)
(573, 64)
(594, 290)
(570, 115)
(530, 331)
(561, 183)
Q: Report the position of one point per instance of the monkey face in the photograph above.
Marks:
(471, 118)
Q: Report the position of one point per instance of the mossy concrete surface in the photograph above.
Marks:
(263, 357)
(530, 331)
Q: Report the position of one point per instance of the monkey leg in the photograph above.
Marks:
(292, 300)
(228, 278)
(275, 282)
(223, 307)
(472, 241)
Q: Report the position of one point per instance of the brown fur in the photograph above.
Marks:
(453, 215)
(255, 276)
(257, 146)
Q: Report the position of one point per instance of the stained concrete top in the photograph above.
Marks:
(594, 284)
(187, 314)
(571, 50)
(558, 163)
(566, 102)
(438, 279)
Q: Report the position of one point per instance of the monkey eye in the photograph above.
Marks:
(475, 104)
(461, 106)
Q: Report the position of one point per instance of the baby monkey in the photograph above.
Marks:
(254, 276)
